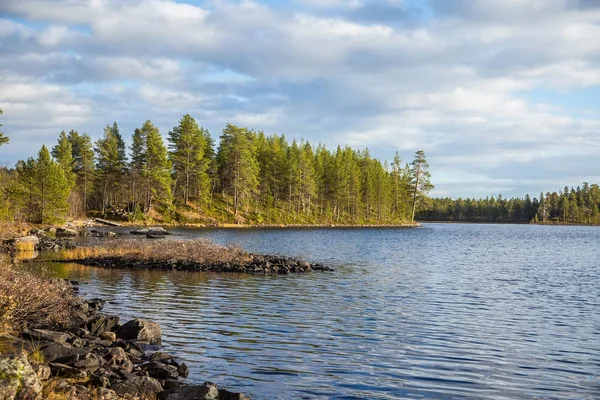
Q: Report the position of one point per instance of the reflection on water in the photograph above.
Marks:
(447, 311)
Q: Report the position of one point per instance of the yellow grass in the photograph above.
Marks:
(198, 250)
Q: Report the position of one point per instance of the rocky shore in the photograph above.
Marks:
(257, 264)
(97, 357)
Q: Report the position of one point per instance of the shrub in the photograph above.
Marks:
(30, 300)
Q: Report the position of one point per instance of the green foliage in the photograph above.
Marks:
(63, 154)
(420, 182)
(3, 139)
(156, 170)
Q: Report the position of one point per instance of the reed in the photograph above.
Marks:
(196, 251)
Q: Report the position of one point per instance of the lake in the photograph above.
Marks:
(444, 311)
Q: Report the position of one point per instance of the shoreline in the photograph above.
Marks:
(94, 356)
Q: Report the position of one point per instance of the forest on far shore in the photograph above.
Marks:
(248, 178)
(568, 206)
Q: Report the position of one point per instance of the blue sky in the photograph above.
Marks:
(503, 96)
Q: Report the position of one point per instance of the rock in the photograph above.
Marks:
(26, 243)
(55, 351)
(42, 371)
(37, 232)
(18, 380)
(64, 232)
(99, 381)
(116, 358)
(159, 370)
(110, 336)
(66, 371)
(227, 395)
(102, 323)
(140, 329)
(183, 370)
(107, 394)
(110, 234)
(51, 231)
(96, 304)
(150, 231)
(207, 391)
(89, 364)
(160, 356)
(142, 386)
(44, 334)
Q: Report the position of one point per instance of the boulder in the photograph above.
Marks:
(116, 358)
(89, 364)
(47, 335)
(183, 370)
(141, 386)
(65, 232)
(150, 231)
(227, 395)
(102, 323)
(18, 380)
(206, 391)
(42, 371)
(159, 370)
(56, 351)
(140, 329)
(65, 371)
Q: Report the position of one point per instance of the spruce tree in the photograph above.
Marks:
(111, 162)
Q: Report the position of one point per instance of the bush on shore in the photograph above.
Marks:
(28, 300)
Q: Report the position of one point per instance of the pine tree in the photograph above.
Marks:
(421, 184)
(52, 188)
(83, 160)
(3, 139)
(238, 169)
(111, 162)
(187, 153)
(156, 173)
(63, 154)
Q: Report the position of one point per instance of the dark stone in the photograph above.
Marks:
(160, 356)
(183, 370)
(140, 329)
(90, 364)
(44, 334)
(160, 370)
(227, 395)
(66, 371)
(207, 391)
(53, 351)
(102, 323)
(141, 386)
(99, 381)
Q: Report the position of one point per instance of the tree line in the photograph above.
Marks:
(249, 177)
(579, 205)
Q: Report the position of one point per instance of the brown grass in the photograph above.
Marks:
(197, 251)
(29, 300)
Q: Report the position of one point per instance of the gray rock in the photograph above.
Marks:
(18, 380)
(66, 371)
(227, 395)
(140, 329)
(160, 370)
(64, 232)
(207, 391)
(90, 364)
(117, 358)
(44, 334)
(55, 351)
(141, 386)
(102, 323)
(107, 394)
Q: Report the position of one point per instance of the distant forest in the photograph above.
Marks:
(248, 178)
(568, 206)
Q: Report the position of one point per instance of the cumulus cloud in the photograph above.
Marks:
(459, 79)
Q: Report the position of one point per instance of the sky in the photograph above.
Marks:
(503, 96)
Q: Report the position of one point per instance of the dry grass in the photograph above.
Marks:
(29, 300)
(197, 251)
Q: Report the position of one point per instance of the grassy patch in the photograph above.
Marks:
(197, 251)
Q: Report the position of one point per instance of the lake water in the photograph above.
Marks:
(442, 312)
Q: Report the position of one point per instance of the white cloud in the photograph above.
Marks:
(462, 85)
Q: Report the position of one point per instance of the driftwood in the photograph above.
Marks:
(106, 222)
